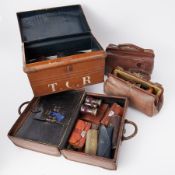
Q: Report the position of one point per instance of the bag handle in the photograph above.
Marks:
(20, 107)
(135, 130)
(130, 47)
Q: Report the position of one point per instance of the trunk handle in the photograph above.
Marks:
(134, 133)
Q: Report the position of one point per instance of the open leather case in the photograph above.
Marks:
(144, 95)
(60, 52)
(32, 132)
(131, 58)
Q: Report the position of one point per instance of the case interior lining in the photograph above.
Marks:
(127, 77)
(54, 22)
(106, 100)
(52, 133)
(60, 47)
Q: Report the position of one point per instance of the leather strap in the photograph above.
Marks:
(134, 133)
(20, 107)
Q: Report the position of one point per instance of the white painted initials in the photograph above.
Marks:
(53, 86)
(86, 80)
(67, 84)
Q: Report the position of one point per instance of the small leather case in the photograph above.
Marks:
(144, 95)
(105, 141)
(100, 114)
(115, 109)
(91, 142)
(131, 58)
(78, 136)
(115, 122)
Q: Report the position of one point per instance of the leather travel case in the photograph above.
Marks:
(32, 132)
(131, 58)
(59, 50)
(144, 95)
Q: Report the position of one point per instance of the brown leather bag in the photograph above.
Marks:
(131, 58)
(144, 95)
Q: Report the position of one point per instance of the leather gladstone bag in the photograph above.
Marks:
(131, 58)
(144, 95)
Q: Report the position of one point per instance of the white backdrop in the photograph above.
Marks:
(149, 24)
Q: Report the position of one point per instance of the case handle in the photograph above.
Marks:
(130, 47)
(20, 107)
(134, 133)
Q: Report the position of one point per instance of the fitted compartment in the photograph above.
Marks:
(79, 154)
(44, 50)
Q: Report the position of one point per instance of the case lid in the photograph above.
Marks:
(36, 128)
(53, 22)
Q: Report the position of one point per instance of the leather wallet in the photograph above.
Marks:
(100, 114)
(115, 109)
(115, 122)
(78, 136)
(144, 95)
(105, 141)
(131, 58)
(91, 142)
